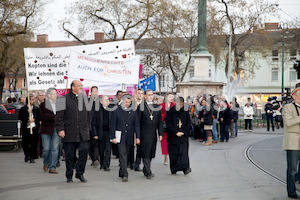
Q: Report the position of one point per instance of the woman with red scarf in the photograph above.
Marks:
(166, 105)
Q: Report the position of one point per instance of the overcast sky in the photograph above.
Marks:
(55, 11)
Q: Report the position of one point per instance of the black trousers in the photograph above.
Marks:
(135, 163)
(123, 158)
(30, 143)
(137, 159)
(130, 158)
(93, 149)
(248, 123)
(179, 158)
(105, 150)
(115, 150)
(70, 151)
(147, 166)
(270, 118)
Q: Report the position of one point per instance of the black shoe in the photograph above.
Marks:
(150, 176)
(69, 180)
(293, 196)
(124, 179)
(32, 160)
(101, 167)
(26, 159)
(173, 172)
(138, 169)
(186, 172)
(81, 178)
(131, 167)
(106, 169)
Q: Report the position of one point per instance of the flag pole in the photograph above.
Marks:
(30, 126)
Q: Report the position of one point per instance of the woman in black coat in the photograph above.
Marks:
(30, 140)
(206, 117)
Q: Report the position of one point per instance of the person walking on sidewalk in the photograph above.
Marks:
(291, 140)
(269, 113)
(73, 126)
(50, 138)
(248, 116)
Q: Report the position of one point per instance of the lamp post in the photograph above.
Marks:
(283, 25)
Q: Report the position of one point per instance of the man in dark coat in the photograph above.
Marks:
(30, 140)
(124, 123)
(100, 131)
(269, 114)
(72, 125)
(94, 144)
(178, 128)
(150, 124)
(224, 118)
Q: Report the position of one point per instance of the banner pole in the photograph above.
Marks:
(67, 85)
(29, 107)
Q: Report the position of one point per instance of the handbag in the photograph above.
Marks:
(278, 118)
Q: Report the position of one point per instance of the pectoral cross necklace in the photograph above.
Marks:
(179, 123)
(151, 112)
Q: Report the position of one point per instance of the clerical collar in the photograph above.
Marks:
(297, 105)
(149, 102)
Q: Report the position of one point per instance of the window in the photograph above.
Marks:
(191, 73)
(12, 83)
(209, 73)
(274, 55)
(293, 74)
(162, 61)
(162, 81)
(24, 83)
(4, 83)
(274, 74)
(149, 60)
(175, 61)
(293, 54)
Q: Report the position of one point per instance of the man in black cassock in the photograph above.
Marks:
(178, 128)
(150, 124)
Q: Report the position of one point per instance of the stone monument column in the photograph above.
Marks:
(201, 83)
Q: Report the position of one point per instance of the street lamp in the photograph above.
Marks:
(283, 25)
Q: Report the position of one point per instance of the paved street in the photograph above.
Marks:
(220, 171)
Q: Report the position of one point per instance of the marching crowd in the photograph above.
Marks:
(98, 127)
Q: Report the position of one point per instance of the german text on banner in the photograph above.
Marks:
(104, 70)
(48, 67)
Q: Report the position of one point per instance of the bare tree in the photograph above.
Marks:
(17, 18)
(242, 20)
(118, 19)
(176, 27)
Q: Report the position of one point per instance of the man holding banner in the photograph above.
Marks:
(72, 125)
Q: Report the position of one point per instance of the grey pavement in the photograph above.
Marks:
(220, 171)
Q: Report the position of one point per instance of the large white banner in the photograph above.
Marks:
(48, 67)
(103, 69)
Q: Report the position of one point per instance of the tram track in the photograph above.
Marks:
(250, 160)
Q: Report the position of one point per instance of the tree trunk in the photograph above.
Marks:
(2, 76)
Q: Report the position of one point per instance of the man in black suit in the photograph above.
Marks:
(100, 131)
(124, 122)
(72, 125)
